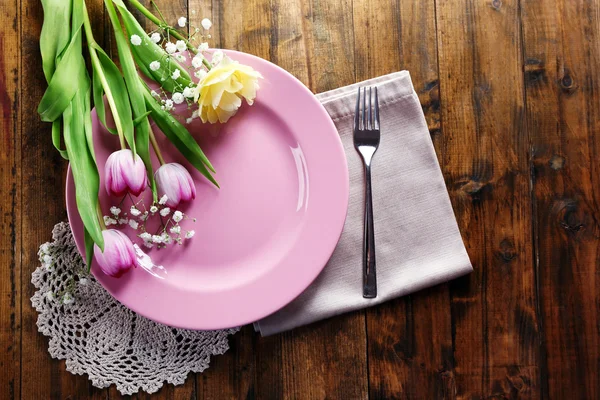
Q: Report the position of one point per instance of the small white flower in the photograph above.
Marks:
(176, 74)
(154, 94)
(175, 230)
(123, 221)
(47, 259)
(108, 221)
(45, 248)
(68, 299)
(157, 239)
(154, 65)
(133, 223)
(180, 57)
(195, 114)
(153, 209)
(50, 296)
(178, 98)
(163, 200)
(168, 105)
(145, 236)
(182, 21)
(206, 24)
(166, 238)
(145, 216)
(134, 211)
(115, 211)
(189, 120)
(197, 61)
(170, 47)
(217, 57)
(136, 40)
(203, 46)
(165, 211)
(180, 45)
(177, 216)
(155, 37)
(83, 281)
(200, 74)
(189, 234)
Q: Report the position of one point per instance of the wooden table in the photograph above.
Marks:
(511, 92)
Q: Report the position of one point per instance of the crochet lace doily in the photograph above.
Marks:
(98, 336)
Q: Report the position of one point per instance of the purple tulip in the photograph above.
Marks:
(174, 181)
(123, 173)
(119, 254)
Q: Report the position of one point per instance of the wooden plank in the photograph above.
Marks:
(10, 206)
(409, 339)
(486, 164)
(562, 98)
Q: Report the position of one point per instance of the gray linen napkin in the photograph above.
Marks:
(417, 240)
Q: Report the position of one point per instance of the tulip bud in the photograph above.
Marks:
(118, 256)
(174, 181)
(123, 173)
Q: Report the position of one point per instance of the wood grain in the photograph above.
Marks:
(510, 91)
(10, 206)
(485, 159)
(562, 58)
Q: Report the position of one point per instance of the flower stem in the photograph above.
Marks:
(100, 217)
(172, 31)
(161, 160)
(92, 45)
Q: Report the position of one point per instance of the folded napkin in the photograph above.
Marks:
(417, 240)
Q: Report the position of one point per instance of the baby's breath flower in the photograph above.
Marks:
(154, 93)
(203, 46)
(145, 216)
(155, 37)
(166, 238)
(189, 120)
(190, 234)
(115, 211)
(206, 24)
(177, 216)
(145, 236)
(50, 296)
(180, 57)
(136, 40)
(178, 98)
(168, 104)
(217, 57)
(154, 65)
(133, 223)
(148, 245)
(163, 200)
(165, 211)
(170, 47)
(68, 299)
(47, 259)
(83, 281)
(176, 74)
(157, 239)
(180, 45)
(200, 74)
(197, 61)
(153, 209)
(108, 221)
(123, 221)
(182, 21)
(176, 229)
(134, 211)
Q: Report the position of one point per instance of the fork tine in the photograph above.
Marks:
(376, 110)
(371, 124)
(364, 109)
(357, 112)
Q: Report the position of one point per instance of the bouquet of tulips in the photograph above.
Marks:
(216, 93)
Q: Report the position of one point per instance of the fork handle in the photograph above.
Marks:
(369, 275)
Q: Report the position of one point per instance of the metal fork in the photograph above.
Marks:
(366, 141)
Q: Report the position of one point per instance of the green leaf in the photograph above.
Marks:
(118, 91)
(65, 81)
(149, 51)
(83, 167)
(56, 33)
(56, 136)
(89, 249)
(98, 95)
(180, 137)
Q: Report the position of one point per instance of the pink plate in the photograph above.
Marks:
(265, 235)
